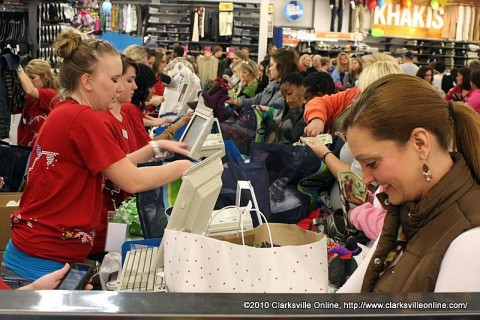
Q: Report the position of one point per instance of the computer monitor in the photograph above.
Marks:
(189, 87)
(197, 130)
(176, 96)
(196, 198)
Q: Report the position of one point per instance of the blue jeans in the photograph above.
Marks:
(12, 279)
(336, 12)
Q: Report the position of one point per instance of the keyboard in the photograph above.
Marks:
(139, 272)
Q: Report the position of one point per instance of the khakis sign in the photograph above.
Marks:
(416, 19)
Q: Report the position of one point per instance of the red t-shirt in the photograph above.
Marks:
(62, 200)
(4, 286)
(123, 133)
(34, 114)
(136, 116)
(159, 87)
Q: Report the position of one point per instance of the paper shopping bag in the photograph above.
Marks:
(296, 264)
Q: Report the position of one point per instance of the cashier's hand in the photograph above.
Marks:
(173, 146)
(51, 281)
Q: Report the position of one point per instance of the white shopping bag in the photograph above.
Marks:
(296, 264)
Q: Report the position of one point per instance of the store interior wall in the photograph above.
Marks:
(322, 15)
(305, 21)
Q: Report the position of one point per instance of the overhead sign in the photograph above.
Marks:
(417, 19)
(293, 10)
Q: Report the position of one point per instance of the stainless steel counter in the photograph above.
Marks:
(107, 305)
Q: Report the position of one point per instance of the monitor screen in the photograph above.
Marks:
(197, 130)
(196, 198)
(183, 90)
(194, 130)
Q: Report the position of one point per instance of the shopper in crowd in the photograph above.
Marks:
(324, 110)
(60, 207)
(425, 73)
(247, 86)
(178, 58)
(229, 74)
(137, 53)
(223, 61)
(351, 77)
(407, 63)
(262, 77)
(317, 84)
(145, 81)
(341, 68)
(246, 51)
(345, 160)
(462, 88)
(314, 66)
(291, 125)
(40, 87)
(325, 64)
(305, 62)
(271, 48)
(151, 56)
(270, 100)
(47, 282)
(473, 99)
(439, 72)
(432, 203)
(474, 64)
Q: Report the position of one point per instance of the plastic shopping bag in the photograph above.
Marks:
(297, 262)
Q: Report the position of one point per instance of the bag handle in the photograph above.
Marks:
(261, 215)
(246, 185)
(241, 220)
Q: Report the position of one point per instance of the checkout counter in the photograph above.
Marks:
(58, 304)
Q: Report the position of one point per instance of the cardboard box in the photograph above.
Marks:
(5, 212)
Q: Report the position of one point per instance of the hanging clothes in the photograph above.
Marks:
(225, 23)
(207, 68)
(195, 37)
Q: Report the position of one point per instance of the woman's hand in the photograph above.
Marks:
(350, 197)
(319, 148)
(51, 281)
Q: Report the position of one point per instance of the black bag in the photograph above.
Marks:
(288, 166)
(248, 127)
(13, 166)
(234, 171)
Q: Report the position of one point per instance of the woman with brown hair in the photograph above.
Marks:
(423, 151)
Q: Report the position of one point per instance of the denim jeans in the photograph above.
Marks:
(336, 12)
(12, 279)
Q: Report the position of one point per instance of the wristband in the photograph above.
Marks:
(156, 149)
(324, 156)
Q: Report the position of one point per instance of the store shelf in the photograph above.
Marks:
(245, 29)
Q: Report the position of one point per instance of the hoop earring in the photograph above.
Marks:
(427, 174)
